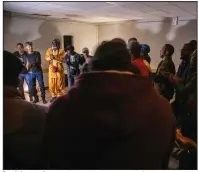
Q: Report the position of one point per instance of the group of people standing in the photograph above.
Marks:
(56, 56)
(180, 87)
(117, 115)
(31, 72)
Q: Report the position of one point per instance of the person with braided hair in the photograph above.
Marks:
(55, 56)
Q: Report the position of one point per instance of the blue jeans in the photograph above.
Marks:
(23, 77)
(32, 83)
(71, 80)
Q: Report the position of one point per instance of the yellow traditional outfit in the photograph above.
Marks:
(56, 78)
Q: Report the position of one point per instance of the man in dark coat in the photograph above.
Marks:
(187, 100)
(35, 72)
(24, 73)
(73, 61)
(186, 53)
(23, 122)
(194, 44)
(110, 119)
(86, 57)
(187, 114)
(165, 69)
(182, 73)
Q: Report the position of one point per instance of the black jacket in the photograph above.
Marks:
(73, 64)
(34, 61)
(165, 68)
(120, 123)
(23, 60)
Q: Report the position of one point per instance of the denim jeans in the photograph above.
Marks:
(32, 83)
(23, 77)
(71, 81)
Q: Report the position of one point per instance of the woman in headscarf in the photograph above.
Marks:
(145, 50)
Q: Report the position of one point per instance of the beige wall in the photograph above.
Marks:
(41, 33)
(155, 34)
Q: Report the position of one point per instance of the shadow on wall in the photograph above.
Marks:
(10, 39)
(48, 31)
(169, 34)
(41, 34)
(155, 34)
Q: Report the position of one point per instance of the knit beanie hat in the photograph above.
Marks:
(145, 48)
(111, 56)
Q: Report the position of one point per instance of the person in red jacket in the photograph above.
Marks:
(110, 119)
(137, 59)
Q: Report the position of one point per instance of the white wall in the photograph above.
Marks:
(155, 34)
(42, 32)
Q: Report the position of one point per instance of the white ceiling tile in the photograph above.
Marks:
(136, 6)
(105, 11)
(12, 6)
(190, 7)
(131, 5)
(183, 2)
(82, 5)
(21, 4)
(47, 6)
(175, 11)
(155, 4)
(159, 14)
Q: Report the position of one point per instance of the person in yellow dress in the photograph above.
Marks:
(55, 57)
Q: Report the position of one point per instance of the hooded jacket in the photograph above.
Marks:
(109, 120)
(23, 125)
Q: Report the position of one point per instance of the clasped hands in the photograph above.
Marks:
(52, 57)
(174, 79)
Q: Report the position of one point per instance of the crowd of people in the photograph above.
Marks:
(118, 113)
(56, 57)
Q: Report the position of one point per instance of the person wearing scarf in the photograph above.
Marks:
(145, 50)
(137, 59)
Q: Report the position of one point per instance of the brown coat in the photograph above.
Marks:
(23, 124)
(109, 120)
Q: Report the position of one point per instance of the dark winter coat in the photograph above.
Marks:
(109, 120)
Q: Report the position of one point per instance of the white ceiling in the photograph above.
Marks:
(97, 12)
